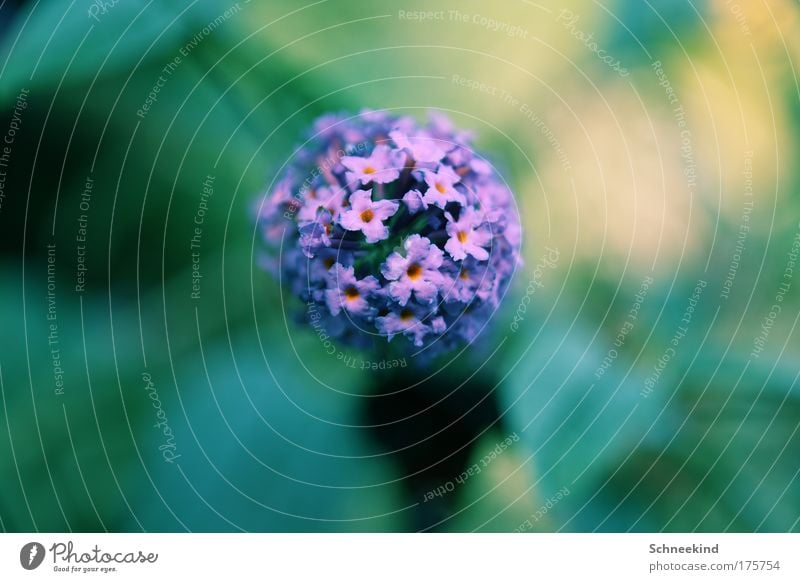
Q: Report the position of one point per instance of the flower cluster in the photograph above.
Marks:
(387, 227)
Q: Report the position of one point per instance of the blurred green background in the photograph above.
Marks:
(654, 139)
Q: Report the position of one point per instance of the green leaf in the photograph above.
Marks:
(263, 446)
(579, 427)
(54, 43)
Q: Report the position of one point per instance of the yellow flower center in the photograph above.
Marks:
(369, 170)
(440, 188)
(414, 271)
(462, 236)
(406, 315)
(463, 275)
(351, 293)
(367, 215)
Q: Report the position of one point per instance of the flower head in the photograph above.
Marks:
(442, 187)
(406, 321)
(413, 236)
(468, 236)
(330, 199)
(368, 216)
(422, 147)
(348, 293)
(378, 167)
(417, 271)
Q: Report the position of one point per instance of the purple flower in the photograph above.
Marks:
(467, 236)
(330, 199)
(325, 126)
(368, 216)
(466, 281)
(380, 167)
(441, 187)
(443, 127)
(422, 147)
(314, 235)
(481, 167)
(348, 293)
(441, 234)
(406, 321)
(414, 201)
(417, 272)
